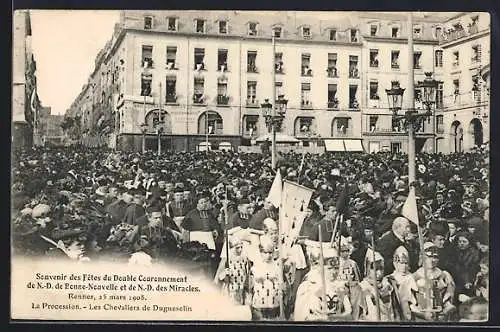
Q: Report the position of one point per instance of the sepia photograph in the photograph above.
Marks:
(233, 165)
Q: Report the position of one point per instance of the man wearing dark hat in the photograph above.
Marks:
(268, 211)
(116, 210)
(135, 214)
(201, 218)
(242, 217)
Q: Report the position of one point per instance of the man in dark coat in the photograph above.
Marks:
(116, 210)
(201, 219)
(241, 217)
(391, 240)
(268, 211)
(135, 213)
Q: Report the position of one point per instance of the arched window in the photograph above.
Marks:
(212, 123)
(159, 118)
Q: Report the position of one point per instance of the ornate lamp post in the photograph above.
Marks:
(274, 117)
(159, 131)
(144, 129)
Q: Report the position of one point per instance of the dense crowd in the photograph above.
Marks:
(90, 204)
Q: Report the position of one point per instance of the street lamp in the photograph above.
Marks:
(144, 129)
(429, 85)
(274, 117)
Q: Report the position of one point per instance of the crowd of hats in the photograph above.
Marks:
(65, 188)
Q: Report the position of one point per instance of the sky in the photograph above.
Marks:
(65, 44)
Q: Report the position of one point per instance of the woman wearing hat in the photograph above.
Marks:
(467, 263)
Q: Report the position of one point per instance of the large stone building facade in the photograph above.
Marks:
(193, 72)
(25, 102)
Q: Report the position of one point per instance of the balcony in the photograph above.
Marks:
(333, 104)
(353, 104)
(374, 64)
(342, 133)
(306, 71)
(222, 100)
(332, 72)
(475, 59)
(199, 66)
(198, 99)
(252, 69)
(222, 67)
(354, 73)
(417, 66)
(250, 134)
(252, 102)
(306, 104)
(147, 63)
(171, 98)
(395, 65)
(278, 68)
(171, 65)
(440, 129)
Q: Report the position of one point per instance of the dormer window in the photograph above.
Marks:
(373, 30)
(306, 32)
(395, 32)
(332, 35)
(417, 32)
(172, 24)
(148, 22)
(354, 36)
(200, 25)
(252, 29)
(223, 27)
(277, 32)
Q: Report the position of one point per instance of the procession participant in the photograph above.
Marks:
(201, 218)
(377, 293)
(177, 207)
(242, 216)
(399, 279)
(391, 240)
(441, 289)
(309, 303)
(349, 273)
(233, 275)
(135, 214)
(266, 283)
(268, 211)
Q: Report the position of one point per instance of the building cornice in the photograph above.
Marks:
(400, 40)
(243, 38)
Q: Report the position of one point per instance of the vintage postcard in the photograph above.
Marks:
(229, 166)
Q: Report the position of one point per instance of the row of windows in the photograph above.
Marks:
(253, 28)
(223, 98)
(222, 61)
(331, 70)
(475, 58)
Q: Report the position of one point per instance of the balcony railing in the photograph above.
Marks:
(252, 69)
(374, 64)
(147, 63)
(342, 133)
(332, 72)
(222, 100)
(305, 104)
(353, 104)
(248, 133)
(440, 129)
(252, 102)
(475, 59)
(306, 71)
(394, 65)
(354, 73)
(171, 98)
(198, 99)
(333, 104)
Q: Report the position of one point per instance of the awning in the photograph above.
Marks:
(334, 145)
(353, 145)
(280, 138)
(342, 145)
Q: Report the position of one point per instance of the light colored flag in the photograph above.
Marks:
(276, 189)
(409, 210)
(293, 210)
